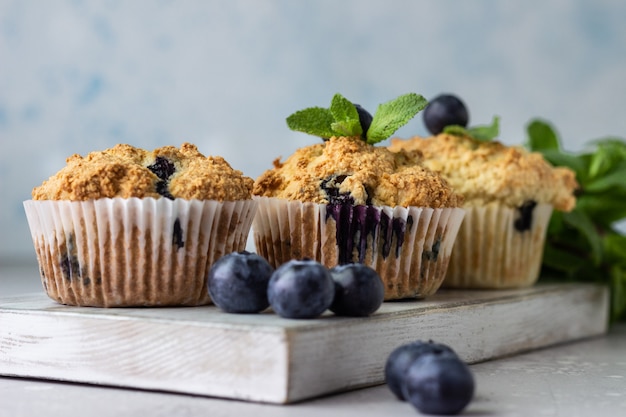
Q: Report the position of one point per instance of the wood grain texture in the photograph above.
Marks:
(265, 358)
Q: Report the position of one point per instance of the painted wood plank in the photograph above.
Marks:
(265, 358)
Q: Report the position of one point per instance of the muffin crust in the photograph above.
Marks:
(126, 171)
(345, 169)
(485, 172)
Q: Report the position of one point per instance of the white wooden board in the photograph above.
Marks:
(265, 358)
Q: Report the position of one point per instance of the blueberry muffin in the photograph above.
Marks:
(346, 200)
(131, 227)
(509, 197)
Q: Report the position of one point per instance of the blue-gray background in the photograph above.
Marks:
(77, 76)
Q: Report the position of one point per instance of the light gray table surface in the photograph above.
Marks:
(582, 378)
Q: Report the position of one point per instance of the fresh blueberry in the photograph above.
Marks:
(445, 110)
(359, 291)
(365, 118)
(238, 282)
(439, 384)
(402, 357)
(301, 289)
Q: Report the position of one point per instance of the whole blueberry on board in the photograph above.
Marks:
(445, 110)
(359, 291)
(301, 289)
(439, 384)
(402, 357)
(237, 282)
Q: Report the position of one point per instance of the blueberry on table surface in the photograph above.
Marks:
(359, 291)
(439, 384)
(301, 289)
(237, 282)
(403, 356)
(445, 110)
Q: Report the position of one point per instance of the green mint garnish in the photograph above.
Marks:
(483, 133)
(541, 136)
(314, 120)
(346, 117)
(394, 114)
(342, 118)
(585, 244)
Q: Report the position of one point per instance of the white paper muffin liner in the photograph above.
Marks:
(285, 230)
(134, 252)
(409, 247)
(490, 252)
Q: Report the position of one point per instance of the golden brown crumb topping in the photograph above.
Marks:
(490, 171)
(350, 170)
(126, 171)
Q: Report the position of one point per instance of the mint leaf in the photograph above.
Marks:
(342, 118)
(456, 130)
(556, 224)
(615, 178)
(580, 221)
(601, 162)
(585, 245)
(608, 154)
(314, 120)
(615, 248)
(562, 260)
(618, 291)
(394, 114)
(347, 128)
(541, 136)
(346, 117)
(576, 163)
(483, 133)
(486, 133)
(605, 208)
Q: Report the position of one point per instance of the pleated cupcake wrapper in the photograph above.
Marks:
(408, 247)
(134, 252)
(285, 230)
(491, 253)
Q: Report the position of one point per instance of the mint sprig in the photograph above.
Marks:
(394, 114)
(342, 118)
(483, 133)
(346, 117)
(585, 245)
(316, 121)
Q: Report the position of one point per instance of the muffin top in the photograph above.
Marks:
(349, 170)
(485, 172)
(125, 171)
